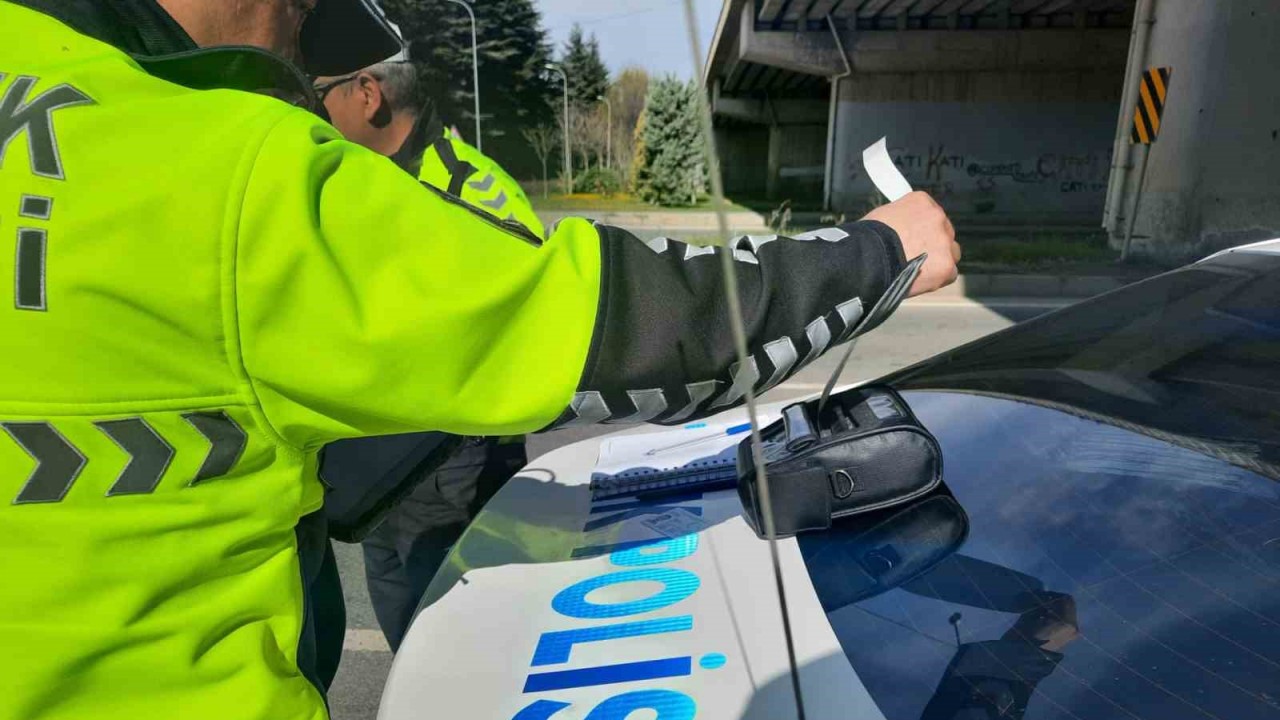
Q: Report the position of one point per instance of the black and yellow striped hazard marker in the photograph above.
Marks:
(1151, 97)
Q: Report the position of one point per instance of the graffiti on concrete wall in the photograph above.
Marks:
(1008, 159)
(1069, 173)
(944, 172)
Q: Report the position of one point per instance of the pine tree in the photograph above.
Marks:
(588, 75)
(515, 95)
(670, 166)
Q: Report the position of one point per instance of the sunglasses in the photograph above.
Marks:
(322, 91)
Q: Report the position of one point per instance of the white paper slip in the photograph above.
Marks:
(884, 174)
(676, 523)
(700, 443)
(617, 455)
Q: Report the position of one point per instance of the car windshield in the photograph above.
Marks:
(1070, 569)
(1192, 357)
(1107, 544)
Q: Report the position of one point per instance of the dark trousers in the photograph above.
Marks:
(402, 555)
(324, 619)
(330, 609)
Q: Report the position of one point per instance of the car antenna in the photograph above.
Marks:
(888, 179)
(740, 340)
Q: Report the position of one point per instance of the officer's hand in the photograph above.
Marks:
(923, 227)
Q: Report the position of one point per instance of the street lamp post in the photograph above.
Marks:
(608, 142)
(475, 67)
(568, 157)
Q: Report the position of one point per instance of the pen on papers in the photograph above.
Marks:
(735, 430)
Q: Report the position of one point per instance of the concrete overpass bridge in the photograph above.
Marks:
(1009, 111)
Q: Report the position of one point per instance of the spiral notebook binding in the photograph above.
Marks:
(711, 474)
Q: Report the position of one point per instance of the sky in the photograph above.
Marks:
(647, 33)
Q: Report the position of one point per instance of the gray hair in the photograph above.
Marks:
(399, 81)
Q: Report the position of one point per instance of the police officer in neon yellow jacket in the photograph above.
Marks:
(209, 284)
(378, 107)
(450, 163)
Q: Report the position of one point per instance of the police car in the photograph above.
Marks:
(1106, 544)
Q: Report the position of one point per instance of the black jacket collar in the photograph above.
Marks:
(426, 131)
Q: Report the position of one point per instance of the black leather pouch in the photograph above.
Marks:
(861, 452)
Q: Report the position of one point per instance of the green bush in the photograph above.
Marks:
(598, 181)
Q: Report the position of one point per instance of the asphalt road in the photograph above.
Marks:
(918, 330)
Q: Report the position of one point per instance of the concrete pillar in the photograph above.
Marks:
(773, 186)
(1212, 179)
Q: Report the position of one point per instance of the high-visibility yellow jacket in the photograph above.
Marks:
(452, 165)
(210, 284)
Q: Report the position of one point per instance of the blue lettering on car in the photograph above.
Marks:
(640, 562)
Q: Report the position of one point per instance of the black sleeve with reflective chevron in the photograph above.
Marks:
(663, 349)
